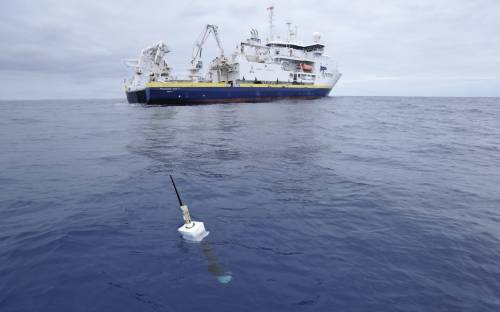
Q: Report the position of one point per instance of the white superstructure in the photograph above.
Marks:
(275, 61)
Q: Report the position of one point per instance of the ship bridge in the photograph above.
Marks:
(306, 48)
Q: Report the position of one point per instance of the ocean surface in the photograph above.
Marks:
(338, 204)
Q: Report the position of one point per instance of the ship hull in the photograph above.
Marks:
(207, 95)
(138, 96)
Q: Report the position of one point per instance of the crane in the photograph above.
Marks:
(150, 66)
(198, 47)
(152, 60)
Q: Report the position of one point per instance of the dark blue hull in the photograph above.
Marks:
(205, 95)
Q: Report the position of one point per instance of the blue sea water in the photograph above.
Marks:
(338, 204)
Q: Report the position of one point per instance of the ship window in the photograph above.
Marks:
(277, 52)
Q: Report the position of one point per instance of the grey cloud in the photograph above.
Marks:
(383, 47)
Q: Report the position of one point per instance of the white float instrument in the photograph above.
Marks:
(190, 230)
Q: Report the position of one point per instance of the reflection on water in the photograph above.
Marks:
(214, 265)
(181, 138)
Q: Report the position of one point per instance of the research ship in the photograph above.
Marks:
(257, 71)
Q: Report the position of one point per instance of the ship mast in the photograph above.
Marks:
(271, 22)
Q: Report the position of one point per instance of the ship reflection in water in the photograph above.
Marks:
(214, 265)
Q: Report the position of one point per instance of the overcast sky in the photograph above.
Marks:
(75, 49)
